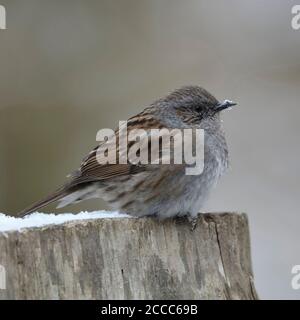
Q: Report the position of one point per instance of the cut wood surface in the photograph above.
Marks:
(129, 258)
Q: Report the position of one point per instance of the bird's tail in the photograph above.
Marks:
(55, 196)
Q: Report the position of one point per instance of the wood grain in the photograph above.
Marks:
(128, 258)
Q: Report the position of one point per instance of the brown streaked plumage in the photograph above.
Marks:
(145, 189)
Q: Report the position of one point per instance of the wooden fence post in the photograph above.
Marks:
(129, 258)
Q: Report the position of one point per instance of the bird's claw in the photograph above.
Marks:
(193, 221)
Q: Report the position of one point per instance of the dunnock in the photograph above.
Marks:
(155, 190)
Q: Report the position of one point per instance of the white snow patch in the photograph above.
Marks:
(9, 223)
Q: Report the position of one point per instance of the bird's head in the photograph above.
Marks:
(196, 102)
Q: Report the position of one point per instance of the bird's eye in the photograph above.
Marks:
(199, 108)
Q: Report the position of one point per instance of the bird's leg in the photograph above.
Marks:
(181, 219)
(193, 221)
(187, 217)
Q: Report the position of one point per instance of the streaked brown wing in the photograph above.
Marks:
(92, 170)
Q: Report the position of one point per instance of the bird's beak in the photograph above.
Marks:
(225, 105)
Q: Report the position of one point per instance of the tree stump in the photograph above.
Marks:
(129, 258)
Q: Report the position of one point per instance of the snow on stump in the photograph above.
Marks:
(128, 258)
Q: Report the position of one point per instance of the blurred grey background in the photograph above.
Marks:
(69, 68)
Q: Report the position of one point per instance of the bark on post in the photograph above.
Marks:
(130, 258)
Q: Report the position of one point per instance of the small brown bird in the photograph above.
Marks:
(155, 190)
